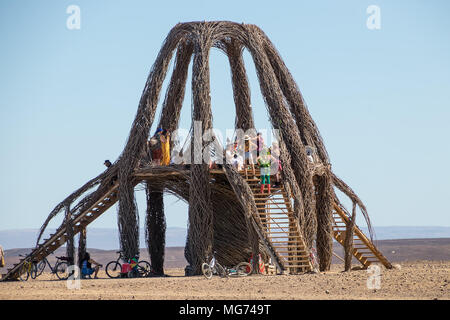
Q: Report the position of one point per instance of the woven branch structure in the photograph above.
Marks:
(220, 209)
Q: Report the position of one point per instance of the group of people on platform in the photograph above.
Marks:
(255, 153)
(242, 156)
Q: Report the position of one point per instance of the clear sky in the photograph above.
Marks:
(379, 97)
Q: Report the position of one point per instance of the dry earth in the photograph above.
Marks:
(412, 280)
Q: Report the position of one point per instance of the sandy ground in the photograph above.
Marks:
(411, 280)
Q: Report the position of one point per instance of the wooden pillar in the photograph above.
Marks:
(348, 242)
(70, 249)
(200, 227)
(155, 232)
(81, 246)
(324, 240)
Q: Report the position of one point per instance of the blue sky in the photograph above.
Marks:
(379, 97)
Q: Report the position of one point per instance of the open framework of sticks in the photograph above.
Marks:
(220, 207)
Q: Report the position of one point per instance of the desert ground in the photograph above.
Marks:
(409, 280)
(422, 272)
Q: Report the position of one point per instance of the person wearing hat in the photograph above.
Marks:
(249, 148)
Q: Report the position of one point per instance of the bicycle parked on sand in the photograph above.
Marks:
(213, 267)
(60, 268)
(140, 268)
(243, 269)
(34, 269)
(28, 269)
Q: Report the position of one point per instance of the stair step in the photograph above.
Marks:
(291, 251)
(304, 259)
(259, 195)
(304, 256)
(272, 206)
(271, 211)
(282, 232)
(292, 263)
(277, 218)
(289, 247)
(282, 237)
(284, 241)
(261, 203)
(274, 212)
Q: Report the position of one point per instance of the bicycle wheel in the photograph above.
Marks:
(24, 273)
(144, 268)
(243, 269)
(206, 270)
(62, 270)
(40, 268)
(33, 270)
(113, 269)
(221, 271)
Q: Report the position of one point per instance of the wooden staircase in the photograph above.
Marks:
(279, 226)
(363, 249)
(57, 239)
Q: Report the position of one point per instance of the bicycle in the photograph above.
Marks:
(243, 269)
(60, 269)
(213, 267)
(28, 269)
(141, 269)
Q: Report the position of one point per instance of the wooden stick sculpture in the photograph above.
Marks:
(220, 209)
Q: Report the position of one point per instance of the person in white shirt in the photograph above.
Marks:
(237, 162)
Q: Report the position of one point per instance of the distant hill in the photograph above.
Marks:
(100, 238)
(387, 233)
(107, 239)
